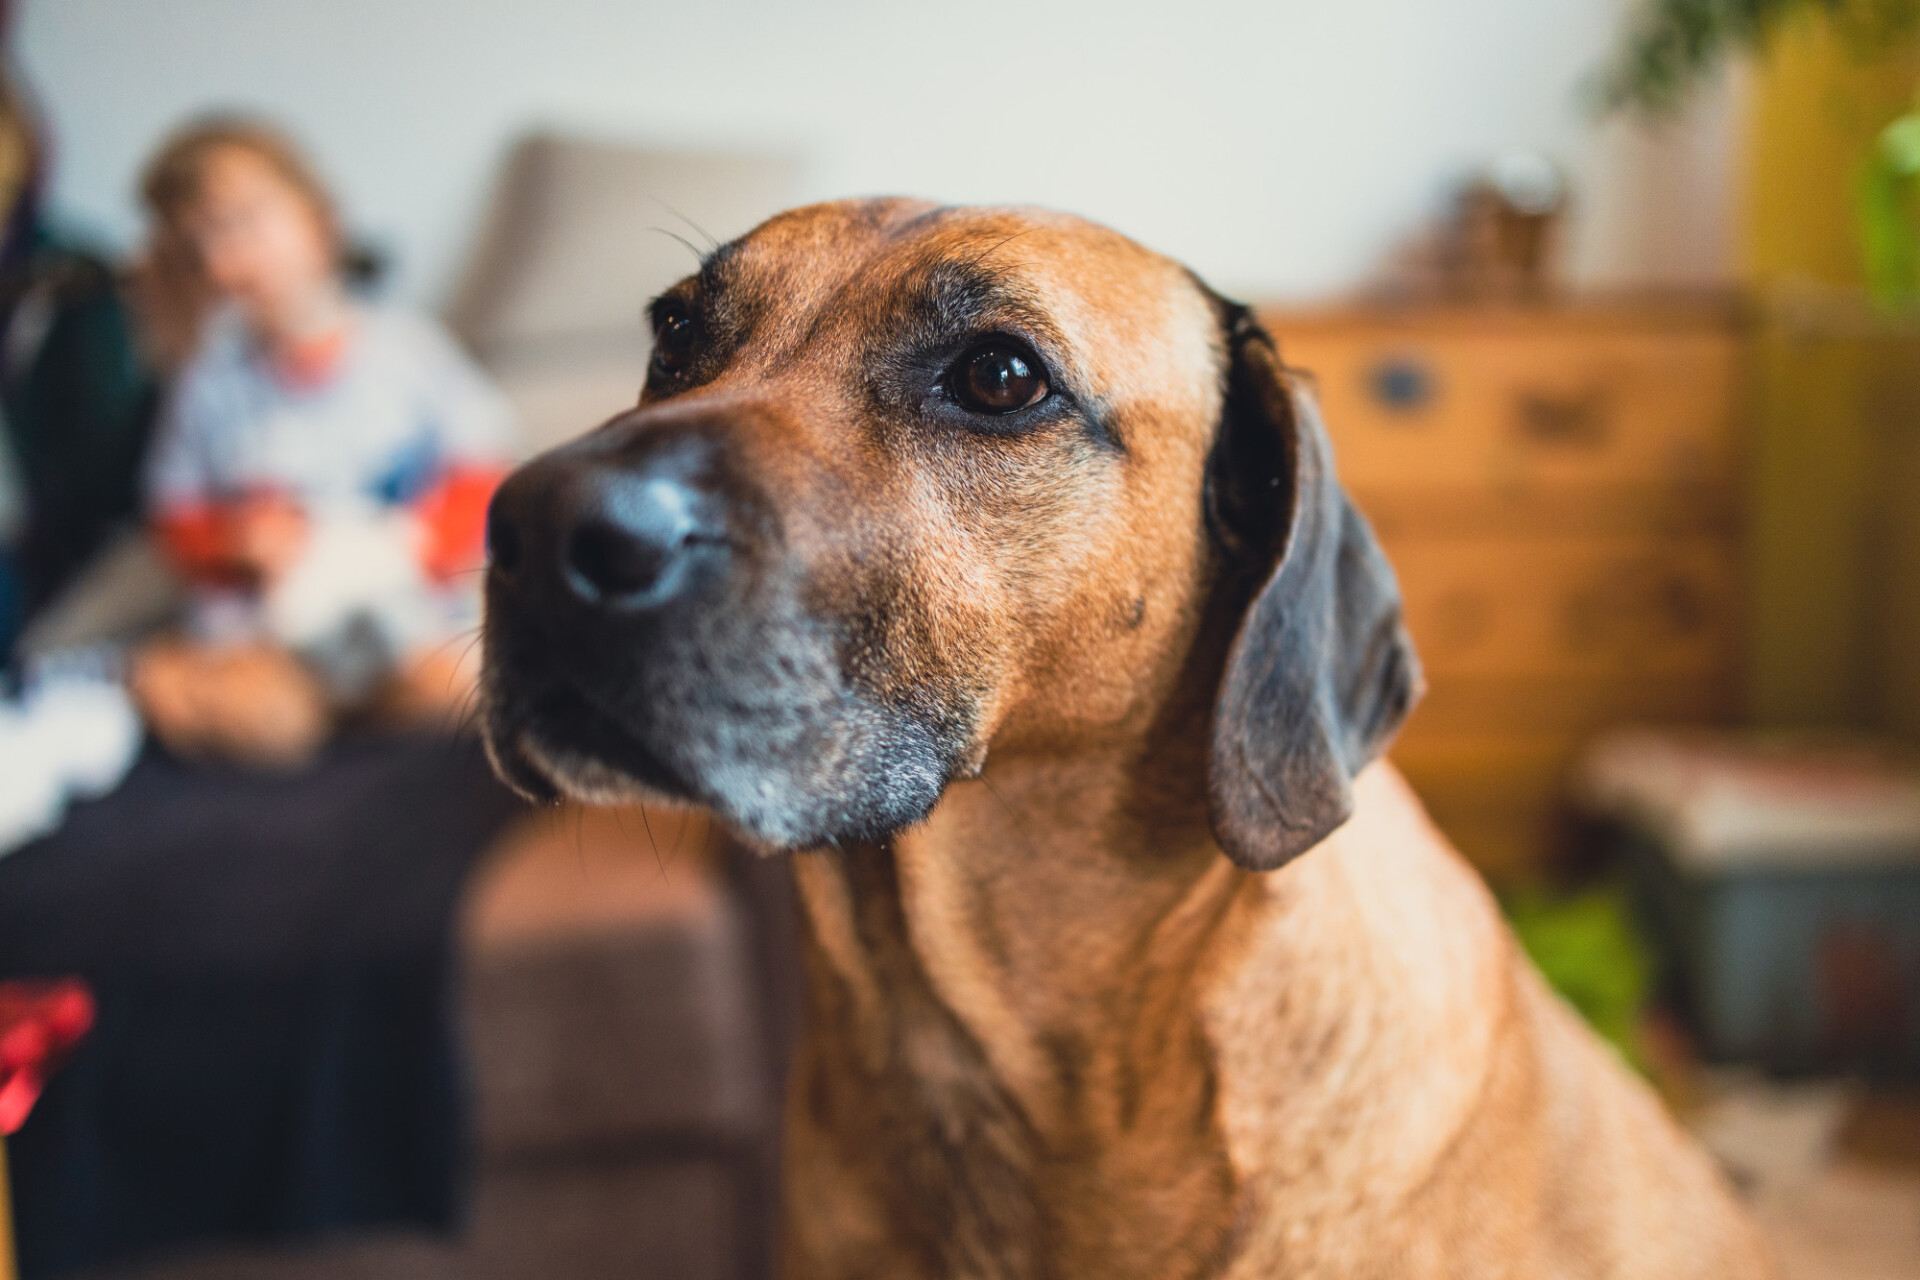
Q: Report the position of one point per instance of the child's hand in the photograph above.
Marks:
(269, 534)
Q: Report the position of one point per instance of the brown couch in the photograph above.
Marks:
(627, 1008)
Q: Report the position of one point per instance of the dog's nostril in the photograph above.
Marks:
(613, 561)
(503, 542)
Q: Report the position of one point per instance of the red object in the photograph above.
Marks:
(202, 541)
(203, 538)
(454, 515)
(40, 1022)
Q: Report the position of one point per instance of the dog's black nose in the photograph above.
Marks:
(613, 533)
(627, 539)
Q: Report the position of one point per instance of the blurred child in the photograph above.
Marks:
(322, 468)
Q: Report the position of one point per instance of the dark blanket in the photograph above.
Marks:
(276, 1050)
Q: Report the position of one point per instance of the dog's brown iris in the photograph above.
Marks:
(996, 377)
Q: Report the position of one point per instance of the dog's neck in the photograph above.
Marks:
(999, 987)
(1026, 1006)
(1035, 896)
(1027, 900)
(1041, 892)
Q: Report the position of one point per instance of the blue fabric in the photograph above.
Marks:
(410, 472)
(12, 608)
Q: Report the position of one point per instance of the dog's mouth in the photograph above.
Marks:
(759, 724)
(563, 744)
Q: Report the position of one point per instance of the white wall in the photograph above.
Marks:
(1277, 146)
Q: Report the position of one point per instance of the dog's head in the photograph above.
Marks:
(906, 483)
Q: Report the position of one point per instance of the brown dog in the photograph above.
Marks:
(999, 563)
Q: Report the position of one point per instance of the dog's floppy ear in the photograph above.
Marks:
(1321, 672)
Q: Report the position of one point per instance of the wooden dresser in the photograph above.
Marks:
(1557, 488)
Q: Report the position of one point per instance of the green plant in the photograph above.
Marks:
(1671, 45)
(1887, 208)
(1586, 948)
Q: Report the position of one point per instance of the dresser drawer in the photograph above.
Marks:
(1403, 513)
(1516, 412)
(1569, 608)
(1557, 488)
(1574, 707)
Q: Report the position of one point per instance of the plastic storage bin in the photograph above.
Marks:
(1779, 880)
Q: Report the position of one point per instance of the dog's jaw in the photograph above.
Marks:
(833, 771)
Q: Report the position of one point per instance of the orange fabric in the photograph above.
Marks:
(311, 362)
(453, 517)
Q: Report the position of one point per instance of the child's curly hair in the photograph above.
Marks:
(173, 291)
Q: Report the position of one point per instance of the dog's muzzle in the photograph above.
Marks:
(596, 555)
(649, 636)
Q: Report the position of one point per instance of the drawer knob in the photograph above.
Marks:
(1636, 608)
(1580, 420)
(1402, 384)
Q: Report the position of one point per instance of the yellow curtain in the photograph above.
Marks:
(1835, 517)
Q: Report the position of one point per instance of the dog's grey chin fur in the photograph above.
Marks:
(763, 804)
(590, 781)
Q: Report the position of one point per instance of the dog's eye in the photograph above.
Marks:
(997, 377)
(673, 335)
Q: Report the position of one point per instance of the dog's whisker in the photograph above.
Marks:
(680, 835)
(687, 244)
(1024, 836)
(647, 823)
(474, 708)
(698, 230)
(472, 635)
(980, 260)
